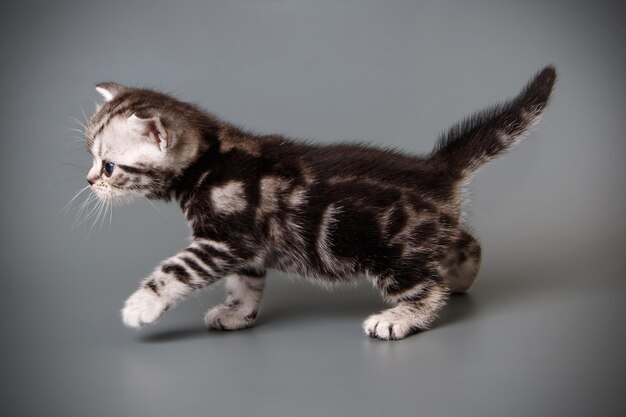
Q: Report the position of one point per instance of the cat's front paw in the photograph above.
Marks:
(224, 317)
(387, 326)
(143, 307)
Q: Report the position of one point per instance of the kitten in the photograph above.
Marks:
(335, 213)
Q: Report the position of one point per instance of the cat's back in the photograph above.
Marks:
(353, 160)
(363, 164)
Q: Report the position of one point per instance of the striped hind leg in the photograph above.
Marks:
(461, 266)
(414, 310)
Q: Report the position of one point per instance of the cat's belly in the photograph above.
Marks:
(331, 254)
(309, 270)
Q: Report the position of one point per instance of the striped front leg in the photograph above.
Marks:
(201, 264)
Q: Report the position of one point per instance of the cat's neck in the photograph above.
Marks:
(219, 143)
(185, 185)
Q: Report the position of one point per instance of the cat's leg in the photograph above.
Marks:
(414, 309)
(199, 265)
(462, 264)
(244, 291)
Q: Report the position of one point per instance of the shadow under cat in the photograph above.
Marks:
(291, 302)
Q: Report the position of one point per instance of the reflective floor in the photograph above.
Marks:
(527, 340)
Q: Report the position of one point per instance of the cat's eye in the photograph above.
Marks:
(108, 168)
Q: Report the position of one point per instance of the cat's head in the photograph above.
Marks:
(140, 141)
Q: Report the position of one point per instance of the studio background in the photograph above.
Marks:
(540, 333)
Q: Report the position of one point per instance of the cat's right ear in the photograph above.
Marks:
(109, 90)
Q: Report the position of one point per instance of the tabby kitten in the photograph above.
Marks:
(334, 213)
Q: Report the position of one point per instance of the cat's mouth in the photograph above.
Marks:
(113, 194)
(101, 189)
(106, 192)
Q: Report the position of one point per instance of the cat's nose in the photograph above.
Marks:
(90, 181)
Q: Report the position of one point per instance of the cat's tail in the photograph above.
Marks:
(483, 136)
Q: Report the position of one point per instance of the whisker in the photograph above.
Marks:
(83, 111)
(76, 141)
(104, 216)
(80, 210)
(111, 214)
(67, 206)
(105, 208)
(78, 122)
(73, 129)
(100, 204)
(84, 204)
(91, 212)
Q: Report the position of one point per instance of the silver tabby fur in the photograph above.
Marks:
(335, 213)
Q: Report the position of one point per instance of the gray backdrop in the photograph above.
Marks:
(542, 331)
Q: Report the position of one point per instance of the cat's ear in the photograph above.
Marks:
(152, 130)
(109, 90)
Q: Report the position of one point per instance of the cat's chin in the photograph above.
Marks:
(105, 196)
(116, 197)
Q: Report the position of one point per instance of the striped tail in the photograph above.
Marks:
(483, 136)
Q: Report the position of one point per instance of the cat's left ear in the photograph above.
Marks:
(109, 90)
(152, 130)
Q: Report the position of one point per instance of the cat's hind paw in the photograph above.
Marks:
(224, 317)
(143, 307)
